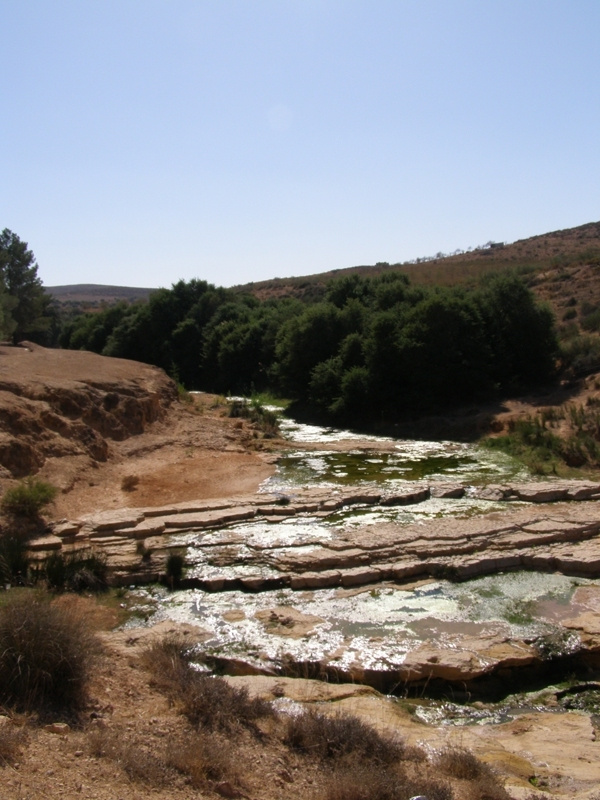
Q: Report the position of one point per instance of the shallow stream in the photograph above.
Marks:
(378, 626)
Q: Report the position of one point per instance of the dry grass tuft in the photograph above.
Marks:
(12, 740)
(328, 737)
(207, 701)
(460, 763)
(360, 782)
(206, 759)
(47, 653)
(138, 762)
(129, 483)
(363, 780)
(457, 762)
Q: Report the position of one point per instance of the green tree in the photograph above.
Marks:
(23, 302)
(303, 342)
(520, 332)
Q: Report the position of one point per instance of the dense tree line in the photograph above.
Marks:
(373, 348)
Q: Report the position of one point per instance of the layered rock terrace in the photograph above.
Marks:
(546, 527)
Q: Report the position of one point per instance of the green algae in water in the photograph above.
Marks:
(353, 468)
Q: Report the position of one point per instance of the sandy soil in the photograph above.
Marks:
(196, 452)
(85, 423)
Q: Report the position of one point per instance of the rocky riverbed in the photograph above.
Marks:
(267, 569)
(430, 571)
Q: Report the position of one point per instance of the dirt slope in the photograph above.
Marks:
(85, 422)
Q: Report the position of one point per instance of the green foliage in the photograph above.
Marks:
(262, 418)
(14, 564)
(580, 354)
(25, 311)
(373, 348)
(28, 498)
(46, 656)
(91, 331)
(533, 441)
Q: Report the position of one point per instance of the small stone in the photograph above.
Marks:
(57, 727)
(78, 753)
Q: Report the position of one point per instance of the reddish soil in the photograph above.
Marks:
(85, 423)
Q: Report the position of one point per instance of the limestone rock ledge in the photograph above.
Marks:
(548, 536)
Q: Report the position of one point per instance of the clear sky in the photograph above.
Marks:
(144, 141)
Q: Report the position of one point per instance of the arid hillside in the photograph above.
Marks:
(85, 423)
(562, 267)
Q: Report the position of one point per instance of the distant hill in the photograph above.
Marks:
(561, 267)
(88, 296)
(548, 251)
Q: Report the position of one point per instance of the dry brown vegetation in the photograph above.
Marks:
(153, 722)
(207, 701)
(342, 757)
(551, 260)
(47, 654)
(12, 740)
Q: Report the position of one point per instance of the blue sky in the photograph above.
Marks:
(144, 141)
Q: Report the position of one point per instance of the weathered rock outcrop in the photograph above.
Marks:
(55, 403)
(550, 536)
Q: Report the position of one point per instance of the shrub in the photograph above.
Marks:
(207, 701)
(46, 656)
(213, 703)
(183, 395)
(169, 661)
(581, 354)
(262, 418)
(12, 738)
(14, 564)
(460, 763)
(333, 737)
(138, 763)
(457, 762)
(363, 781)
(129, 483)
(76, 572)
(206, 758)
(174, 569)
(28, 498)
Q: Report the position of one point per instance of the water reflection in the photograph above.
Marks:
(402, 460)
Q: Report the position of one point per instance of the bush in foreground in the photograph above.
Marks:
(138, 762)
(365, 780)
(208, 702)
(206, 758)
(334, 737)
(46, 656)
(12, 739)
(457, 762)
